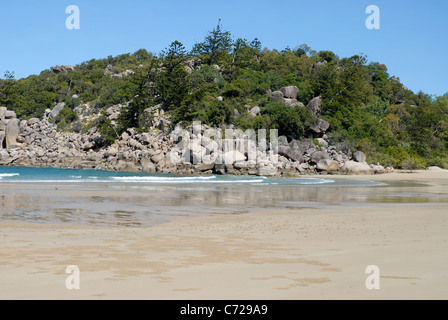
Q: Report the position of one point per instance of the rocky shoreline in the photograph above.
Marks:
(38, 143)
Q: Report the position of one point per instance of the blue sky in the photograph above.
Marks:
(412, 41)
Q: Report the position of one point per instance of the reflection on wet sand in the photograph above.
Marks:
(136, 205)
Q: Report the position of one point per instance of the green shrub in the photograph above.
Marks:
(413, 163)
(65, 117)
(438, 161)
(72, 103)
(398, 153)
(290, 121)
(383, 159)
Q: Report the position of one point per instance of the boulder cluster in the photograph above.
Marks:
(38, 143)
(9, 128)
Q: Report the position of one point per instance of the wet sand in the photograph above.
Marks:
(315, 249)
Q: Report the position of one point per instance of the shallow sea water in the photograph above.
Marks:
(101, 198)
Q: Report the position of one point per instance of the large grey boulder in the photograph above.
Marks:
(322, 142)
(277, 96)
(109, 70)
(147, 165)
(2, 112)
(268, 170)
(3, 124)
(231, 157)
(315, 105)
(12, 132)
(359, 156)
(9, 114)
(378, 169)
(436, 169)
(290, 92)
(321, 126)
(255, 111)
(55, 112)
(157, 157)
(302, 145)
(2, 138)
(146, 138)
(282, 141)
(291, 102)
(205, 166)
(32, 121)
(77, 126)
(353, 167)
(290, 153)
(66, 68)
(193, 64)
(327, 165)
(318, 156)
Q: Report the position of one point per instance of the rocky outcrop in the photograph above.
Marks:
(63, 69)
(115, 74)
(255, 111)
(287, 95)
(359, 156)
(277, 96)
(200, 149)
(353, 167)
(56, 110)
(3, 112)
(9, 129)
(11, 133)
(156, 118)
(193, 64)
(290, 153)
(320, 126)
(290, 92)
(318, 156)
(327, 165)
(2, 132)
(315, 106)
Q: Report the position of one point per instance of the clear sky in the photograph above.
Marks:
(412, 40)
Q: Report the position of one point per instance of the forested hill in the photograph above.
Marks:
(221, 80)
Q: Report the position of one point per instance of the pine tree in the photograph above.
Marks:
(216, 46)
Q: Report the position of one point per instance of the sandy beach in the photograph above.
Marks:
(293, 252)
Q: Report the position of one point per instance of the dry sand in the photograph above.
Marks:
(277, 254)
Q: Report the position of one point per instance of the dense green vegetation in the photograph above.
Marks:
(367, 108)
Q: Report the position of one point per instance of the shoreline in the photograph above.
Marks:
(288, 253)
(322, 173)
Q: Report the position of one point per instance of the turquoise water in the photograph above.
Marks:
(50, 175)
(103, 198)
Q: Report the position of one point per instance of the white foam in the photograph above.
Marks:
(209, 179)
(8, 175)
(239, 181)
(162, 179)
(314, 181)
(55, 181)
